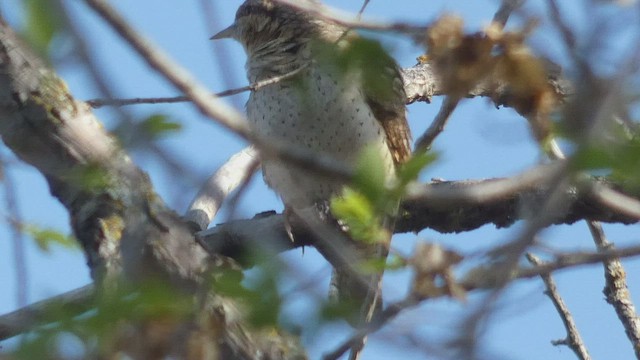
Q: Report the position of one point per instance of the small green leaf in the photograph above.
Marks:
(592, 158)
(158, 125)
(46, 237)
(410, 170)
(368, 57)
(42, 23)
(359, 214)
(371, 175)
(90, 177)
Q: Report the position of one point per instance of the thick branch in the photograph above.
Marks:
(123, 226)
(441, 206)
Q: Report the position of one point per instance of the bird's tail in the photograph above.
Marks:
(364, 290)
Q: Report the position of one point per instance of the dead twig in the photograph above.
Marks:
(573, 339)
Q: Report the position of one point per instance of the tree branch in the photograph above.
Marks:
(27, 318)
(573, 339)
(124, 227)
(443, 206)
(616, 290)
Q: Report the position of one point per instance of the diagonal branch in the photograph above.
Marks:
(124, 227)
(573, 339)
(616, 290)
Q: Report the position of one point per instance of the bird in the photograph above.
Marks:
(331, 97)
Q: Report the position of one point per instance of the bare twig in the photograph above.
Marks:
(437, 126)
(573, 339)
(365, 3)
(210, 16)
(504, 12)
(17, 235)
(207, 202)
(451, 101)
(97, 103)
(616, 290)
(570, 260)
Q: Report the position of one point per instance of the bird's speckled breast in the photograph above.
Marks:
(319, 112)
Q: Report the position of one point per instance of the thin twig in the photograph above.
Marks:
(221, 56)
(17, 235)
(97, 103)
(362, 8)
(504, 12)
(569, 39)
(28, 318)
(437, 126)
(451, 101)
(573, 339)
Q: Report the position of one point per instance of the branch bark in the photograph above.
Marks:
(125, 229)
(444, 206)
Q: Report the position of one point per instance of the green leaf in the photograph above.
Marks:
(367, 56)
(359, 214)
(264, 302)
(619, 158)
(90, 177)
(42, 24)
(410, 170)
(159, 125)
(46, 237)
(371, 176)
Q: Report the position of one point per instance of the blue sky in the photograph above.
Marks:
(479, 142)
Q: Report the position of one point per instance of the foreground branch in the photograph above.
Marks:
(125, 229)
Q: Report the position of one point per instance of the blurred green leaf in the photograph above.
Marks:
(43, 22)
(359, 214)
(366, 56)
(621, 159)
(158, 125)
(46, 237)
(410, 170)
(371, 176)
(264, 301)
(229, 283)
(90, 177)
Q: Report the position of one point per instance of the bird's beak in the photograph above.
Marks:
(228, 33)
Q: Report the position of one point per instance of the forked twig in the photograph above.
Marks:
(573, 339)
